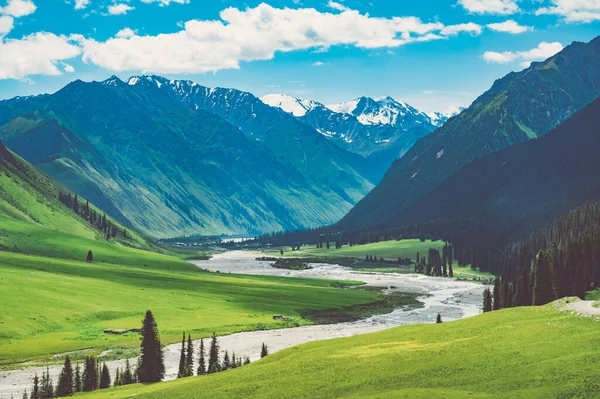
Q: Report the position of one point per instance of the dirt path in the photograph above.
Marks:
(584, 307)
(453, 299)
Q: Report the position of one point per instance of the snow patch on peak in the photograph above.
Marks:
(289, 104)
(132, 81)
(347, 107)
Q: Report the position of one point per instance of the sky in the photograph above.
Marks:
(433, 54)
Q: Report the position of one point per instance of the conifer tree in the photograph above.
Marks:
(127, 375)
(189, 358)
(264, 351)
(487, 300)
(65, 379)
(439, 318)
(213, 356)
(152, 368)
(543, 291)
(78, 385)
(35, 392)
(497, 294)
(104, 377)
(90, 375)
(234, 363)
(90, 257)
(201, 361)
(118, 378)
(450, 270)
(226, 362)
(25, 396)
(181, 372)
(247, 361)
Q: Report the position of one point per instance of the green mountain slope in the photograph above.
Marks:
(151, 161)
(520, 188)
(519, 107)
(529, 352)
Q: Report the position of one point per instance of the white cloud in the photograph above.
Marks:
(318, 63)
(574, 10)
(126, 33)
(6, 24)
(163, 3)
(18, 8)
(500, 7)
(543, 51)
(81, 4)
(336, 6)
(36, 54)
(462, 28)
(257, 34)
(68, 68)
(509, 26)
(119, 9)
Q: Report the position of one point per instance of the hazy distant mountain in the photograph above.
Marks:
(149, 156)
(519, 107)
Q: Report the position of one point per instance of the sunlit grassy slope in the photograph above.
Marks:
(534, 352)
(52, 301)
(388, 249)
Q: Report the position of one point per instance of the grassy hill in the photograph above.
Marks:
(53, 301)
(530, 352)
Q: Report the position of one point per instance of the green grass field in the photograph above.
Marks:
(53, 301)
(532, 352)
(386, 249)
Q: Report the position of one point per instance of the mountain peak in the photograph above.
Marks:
(289, 104)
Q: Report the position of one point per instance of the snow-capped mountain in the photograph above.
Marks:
(439, 118)
(383, 111)
(289, 104)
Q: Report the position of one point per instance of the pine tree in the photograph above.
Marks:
(226, 362)
(181, 372)
(201, 361)
(264, 352)
(47, 387)
(90, 375)
(25, 396)
(152, 368)
(90, 257)
(487, 300)
(450, 270)
(78, 386)
(213, 356)
(189, 358)
(543, 291)
(118, 378)
(35, 392)
(439, 318)
(497, 294)
(65, 379)
(234, 362)
(127, 375)
(104, 377)
(247, 361)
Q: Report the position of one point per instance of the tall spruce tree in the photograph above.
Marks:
(487, 300)
(65, 379)
(497, 294)
(438, 318)
(543, 291)
(226, 362)
(202, 360)
(213, 355)
(90, 375)
(189, 358)
(35, 391)
(78, 386)
(181, 371)
(104, 377)
(152, 368)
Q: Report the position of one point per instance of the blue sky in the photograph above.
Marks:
(431, 53)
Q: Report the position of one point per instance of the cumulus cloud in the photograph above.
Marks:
(119, 9)
(500, 7)
(163, 3)
(257, 34)
(81, 4)
(509, 26)
(18, 8)
(318, 63)
(336, 6)
(126, 33)
(6, 24)
(573, 10)
(543, 51)
(68, 68)
(36, 54)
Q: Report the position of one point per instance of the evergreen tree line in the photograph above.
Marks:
(188, 368)
(436, 264)
(100, 222)
(399, 261)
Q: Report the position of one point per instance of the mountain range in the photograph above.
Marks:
(382, 129)
(521, 106)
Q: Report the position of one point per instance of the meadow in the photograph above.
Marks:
(529, 352)
(51, 306)
(390, 250)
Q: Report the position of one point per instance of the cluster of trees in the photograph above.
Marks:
(150, 368)
(214, 365)
(100, 222)
(436, 264)
(399, 261)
